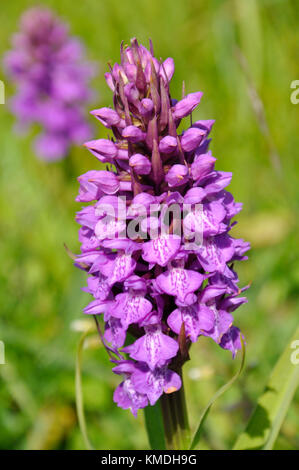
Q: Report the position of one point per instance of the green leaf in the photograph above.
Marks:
(221, 390)
(154, 426)
(272, 406)
(79, 392)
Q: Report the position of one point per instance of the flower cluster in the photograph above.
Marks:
(52, 81)
(165, 293)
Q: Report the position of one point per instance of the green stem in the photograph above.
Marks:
(183, 421)
(175, 419)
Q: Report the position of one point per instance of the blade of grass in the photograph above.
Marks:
(272, 406)
(79, 392)
(154, 426)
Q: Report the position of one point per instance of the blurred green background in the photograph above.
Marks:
(241, 54)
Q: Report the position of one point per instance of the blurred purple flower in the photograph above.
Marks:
(52, 79)
(162, 292)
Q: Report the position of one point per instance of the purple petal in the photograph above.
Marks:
(118, 268)
(133, 134)
(222, 323)
(168, 144)
(130, 308)
(107, 116)
(215, 253)
(105, 150)
(126, 397)
(161, 250)
(231, 340)
(181, 283)
(167, 69)
(191, 139)
(97, 307)
(203, 165)
(177, 175)
(197, 318)
(98, 286)
(154, 383)
(115, 333)
(141, 164)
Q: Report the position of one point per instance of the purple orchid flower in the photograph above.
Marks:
(153, 383)
(153, 285)
(154, 348)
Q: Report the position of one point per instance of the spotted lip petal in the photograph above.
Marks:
(161, 250)
(154, 348)
(215, 253)
(98, 286)
(180, 283)
(197, 318)
(153, 383)
(125, 395)
(130, 308)
(222, 323)
(115, 332)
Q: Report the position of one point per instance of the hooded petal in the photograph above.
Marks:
(222, 323)
(215, 252)
(130, 308)
(186, 105)
(115, 332)
(105, 150)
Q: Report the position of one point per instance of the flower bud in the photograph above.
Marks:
(141, 164)
(168, 144)
(133, 134)
(185, 107)
(106, 116)
(105, 150)
(191, 139)
(177, 175)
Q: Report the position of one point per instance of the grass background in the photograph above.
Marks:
(40, 294)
